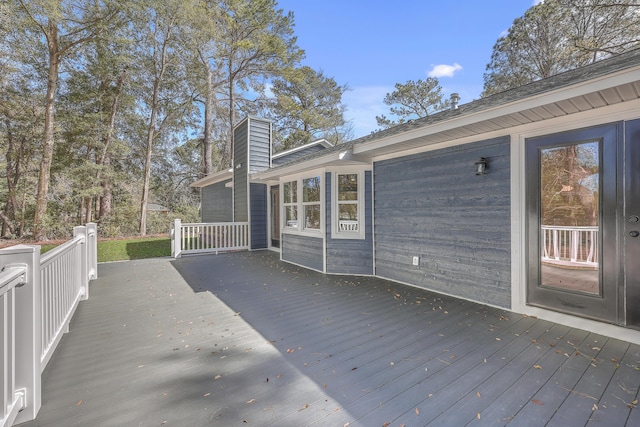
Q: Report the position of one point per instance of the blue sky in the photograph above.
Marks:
(371, 45)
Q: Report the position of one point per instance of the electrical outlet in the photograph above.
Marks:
(416, 260)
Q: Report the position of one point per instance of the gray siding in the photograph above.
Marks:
(297, 154)
(432, 205)
(259, 222)
(240, 197)
(302, 250)
(349, 256)
(259, 144)
(216, 203)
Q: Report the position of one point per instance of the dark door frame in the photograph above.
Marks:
(608, 305)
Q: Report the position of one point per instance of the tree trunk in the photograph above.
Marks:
(12, 169)
(231, 115)
(105, 159)
(105, 199)
(48, 137)
(208, 123)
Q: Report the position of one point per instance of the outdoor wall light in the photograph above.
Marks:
(481, 166)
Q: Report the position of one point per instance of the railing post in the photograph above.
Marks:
(28, 328)
(176, 238)
(81, 266)
(92, 251)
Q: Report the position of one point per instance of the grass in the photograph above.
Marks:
(121, 249)
(136, 248)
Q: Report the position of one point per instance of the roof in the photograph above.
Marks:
(607, 82)
(213, 178)
(322, 142)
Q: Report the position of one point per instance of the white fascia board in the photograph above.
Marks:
(583, 88)
(322, 142)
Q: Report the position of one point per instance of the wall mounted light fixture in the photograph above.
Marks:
(481, 166)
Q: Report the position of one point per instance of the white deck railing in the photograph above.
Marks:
(208, 237)
(38, 296)
(570, 246)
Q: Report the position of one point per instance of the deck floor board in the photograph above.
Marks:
(244, 339)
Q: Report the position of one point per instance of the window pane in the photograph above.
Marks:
(348, 187)
(312, 217)
(348, 212)
(291, 216)
(311, 189)
(291, 192)
(347, 217)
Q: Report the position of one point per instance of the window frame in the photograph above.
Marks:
(300, 204)
(336, 233)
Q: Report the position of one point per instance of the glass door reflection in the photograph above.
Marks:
(570, 217)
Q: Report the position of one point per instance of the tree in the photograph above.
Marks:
(412, 100)
(65, 26)
(559, 35)
(163, 75)
(256, 42)
(308, 105)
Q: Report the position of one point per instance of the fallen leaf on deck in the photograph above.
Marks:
(595, 407)
(290, 350)
(79, 402)
(250, 401)
(537, 402)
(417, 411)
(537, 367)
(478, 394)
(206, 394)
(478, 416)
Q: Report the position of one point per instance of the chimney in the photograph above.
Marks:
(453, 101)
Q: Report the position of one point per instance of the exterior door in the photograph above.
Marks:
(275, 217)
(574, 209)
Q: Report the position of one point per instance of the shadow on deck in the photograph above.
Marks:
(243, 339)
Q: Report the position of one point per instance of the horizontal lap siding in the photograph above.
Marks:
(348, 256)
(432, 205)
(258, 216)
(302, 250)
(259, 145)
(240, 197)
(216, 203)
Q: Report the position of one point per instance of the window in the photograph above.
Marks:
(290, 202)
(348, 202)
(348, 205)
(311, 203)
(302, 204)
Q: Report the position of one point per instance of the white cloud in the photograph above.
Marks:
(363, 105)
(444, 70)
(535, 2)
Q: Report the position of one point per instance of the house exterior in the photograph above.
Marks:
(527, 200)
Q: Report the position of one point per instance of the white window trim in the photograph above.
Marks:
(299, 228)
(336, 233)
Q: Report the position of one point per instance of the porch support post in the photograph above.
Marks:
(28, 328)
(176, 238)
(81, 269)
(92, 251)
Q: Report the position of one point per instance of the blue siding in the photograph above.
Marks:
(240, 196)
(302, 250)
(350, 256)
(216, 203)
(259, 145)
(432, 205)
(259, 216)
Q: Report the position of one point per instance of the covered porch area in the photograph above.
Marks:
(245, 339)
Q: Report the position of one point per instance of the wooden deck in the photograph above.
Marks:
(243, 339)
